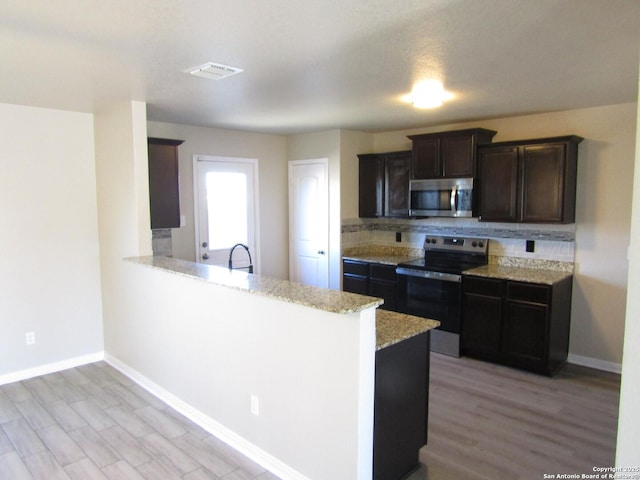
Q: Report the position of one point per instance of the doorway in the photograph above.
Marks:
(309, 222)
(226, 210)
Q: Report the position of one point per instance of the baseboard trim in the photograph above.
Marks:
(595, 363)
(267, 461)
(50, 368)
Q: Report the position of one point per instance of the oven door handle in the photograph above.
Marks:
(447, 277)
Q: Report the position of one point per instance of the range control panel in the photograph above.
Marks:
(456, 244)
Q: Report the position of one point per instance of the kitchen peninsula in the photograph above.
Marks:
(312, 357)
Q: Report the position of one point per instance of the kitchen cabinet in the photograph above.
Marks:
(532, 181)
(355, 277)
(447, 154)
(384, 184)
(519, 324)
(401, 407)
(164, 193)
(374, 279)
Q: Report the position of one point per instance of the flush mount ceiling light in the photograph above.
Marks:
(213, 71)
(428, 94)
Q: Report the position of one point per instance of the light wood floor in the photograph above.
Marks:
(92, 422)
(492, 422)
(485, 422)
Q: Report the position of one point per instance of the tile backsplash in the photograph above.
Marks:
(554, 245)
(161, 242)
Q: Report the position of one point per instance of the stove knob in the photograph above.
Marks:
(474, 244)
(427, 241)
(434, 241)
(481, 244)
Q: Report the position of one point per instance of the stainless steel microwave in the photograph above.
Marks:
(444, 197)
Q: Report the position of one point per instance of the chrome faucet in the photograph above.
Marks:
(250, 267)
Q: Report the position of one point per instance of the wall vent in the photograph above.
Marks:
(213, 71)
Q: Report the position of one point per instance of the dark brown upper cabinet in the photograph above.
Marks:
(532, 181)
(384, 184)
(448, 154)
(164, 193)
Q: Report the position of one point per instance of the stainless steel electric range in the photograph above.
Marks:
(431, 286)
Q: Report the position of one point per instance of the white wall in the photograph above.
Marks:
(351, 144)
(605, 174)
(49, 265)
(627, 452)
(123, 205)
(312, 371)
(270, 150)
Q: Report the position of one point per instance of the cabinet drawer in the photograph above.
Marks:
(482, 286)
(382, 272)
(356, 268)
(355, 284)
(528, 292)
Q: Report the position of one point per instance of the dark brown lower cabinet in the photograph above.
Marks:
(401, 407)
(519, 324)
(374, 279)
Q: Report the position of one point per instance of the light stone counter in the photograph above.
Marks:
(394, 327)
(320, 298)
(383, 259)
(384, 255)
(391, 327)
(519, 274)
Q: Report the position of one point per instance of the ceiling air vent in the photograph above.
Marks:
(213, 71)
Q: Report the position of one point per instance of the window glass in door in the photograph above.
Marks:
(226, 208)
(226, 211)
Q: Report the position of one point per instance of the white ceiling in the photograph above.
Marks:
(311, 65)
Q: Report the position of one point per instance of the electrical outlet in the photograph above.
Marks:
(255, 405)
(30, 338)
(398, 236)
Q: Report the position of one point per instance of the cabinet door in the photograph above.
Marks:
(383, 284)
(458, 156)
(426, 158)
(524, 335)
(542, 187)
(355, 284)
(397, 175)
(164, 193)
(498, 184)
(371, 187)
(481, 318)
(386, 291)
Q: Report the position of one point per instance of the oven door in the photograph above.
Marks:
(433, 295)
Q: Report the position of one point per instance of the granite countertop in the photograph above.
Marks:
(384, 259)
(321, 298)
(394, 327)
(519, 274)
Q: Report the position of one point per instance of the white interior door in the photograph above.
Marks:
(226, 210)
(309, 222)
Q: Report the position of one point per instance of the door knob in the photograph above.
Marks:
(205, 256)
(320, 252)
